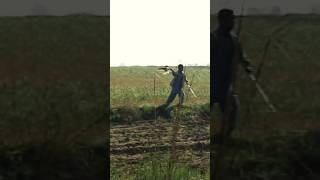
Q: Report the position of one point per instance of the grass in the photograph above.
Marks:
(290, 82)
(53, 97)
(153, 169)
(59, 121)
(265, 145)
(280, 156)
(133, 86)
(270, 145)
(122, 114)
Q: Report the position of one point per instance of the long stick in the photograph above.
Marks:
(258, 73)
(262, 93)
(187, 95)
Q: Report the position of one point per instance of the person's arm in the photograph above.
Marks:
(173, 72)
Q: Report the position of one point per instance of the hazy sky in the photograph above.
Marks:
(286, 6)
(161, 32)
(53, 7)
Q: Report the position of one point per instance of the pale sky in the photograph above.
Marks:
(159, 32)
(286, 6)
(53, 7)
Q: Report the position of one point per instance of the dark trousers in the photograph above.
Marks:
(216, 163)
(173, 94)
(231, 120)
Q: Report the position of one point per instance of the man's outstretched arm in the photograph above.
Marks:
(172, 71)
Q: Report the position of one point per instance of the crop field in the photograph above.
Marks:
(134, 86)
(137, 137)
(278, 145)
(53, 97)
(53, 84)
(265, 145)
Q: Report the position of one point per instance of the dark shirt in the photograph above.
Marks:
(178, 81)
(222, 50)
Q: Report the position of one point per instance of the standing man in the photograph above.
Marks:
(226, 55)
(177, 84)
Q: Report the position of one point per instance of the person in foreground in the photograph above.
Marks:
(226, 56)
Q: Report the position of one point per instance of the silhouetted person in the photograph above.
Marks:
(226, 54)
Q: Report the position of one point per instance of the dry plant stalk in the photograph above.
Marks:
(173, 152)
(156, 122)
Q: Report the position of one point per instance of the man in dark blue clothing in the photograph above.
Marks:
(177, 84)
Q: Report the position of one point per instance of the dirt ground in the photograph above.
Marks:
(132, 142)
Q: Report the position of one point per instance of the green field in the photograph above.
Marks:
(53, 97)
(278, 145)
(135, 132)
(134, 86)
(265, 145)
(53, 84)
